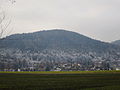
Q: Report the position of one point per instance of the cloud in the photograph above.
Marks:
(95, 18)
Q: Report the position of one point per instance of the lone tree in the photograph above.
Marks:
(4, 21)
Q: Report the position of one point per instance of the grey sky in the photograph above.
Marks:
(99, 19)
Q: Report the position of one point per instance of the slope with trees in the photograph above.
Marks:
(58, 49)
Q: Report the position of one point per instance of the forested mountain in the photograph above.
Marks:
(55, 39)
(57, 49)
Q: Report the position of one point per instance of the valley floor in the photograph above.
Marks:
(86, 80)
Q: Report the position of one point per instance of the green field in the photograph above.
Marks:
(83, 80)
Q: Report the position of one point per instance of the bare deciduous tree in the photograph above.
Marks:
(4, 21)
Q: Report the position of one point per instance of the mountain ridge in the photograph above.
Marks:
(50, 38)
(57, 48)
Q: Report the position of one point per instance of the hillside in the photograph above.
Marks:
(117, 42)
(54, 39)
(53, 49)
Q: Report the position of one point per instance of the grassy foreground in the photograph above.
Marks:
(74, 80)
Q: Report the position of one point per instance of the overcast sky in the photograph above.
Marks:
(98, 19)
